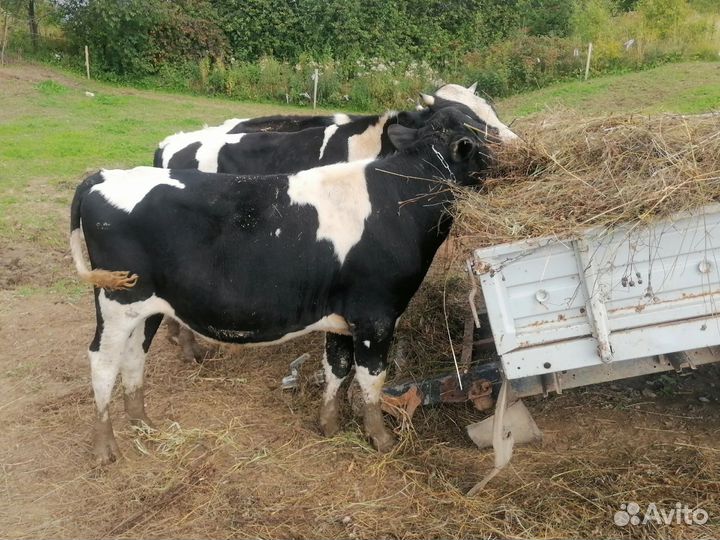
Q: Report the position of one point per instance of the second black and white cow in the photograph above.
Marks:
(213, 150)
(340, 249)
(326, 139)
(288, 123)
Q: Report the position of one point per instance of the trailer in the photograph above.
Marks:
(609, 304)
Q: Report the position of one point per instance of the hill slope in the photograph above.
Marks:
(687, 88)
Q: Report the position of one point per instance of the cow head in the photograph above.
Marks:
(452, 94)
(454, 138)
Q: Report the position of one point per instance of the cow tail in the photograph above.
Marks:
(104, 279)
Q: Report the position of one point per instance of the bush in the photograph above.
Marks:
(136, 37)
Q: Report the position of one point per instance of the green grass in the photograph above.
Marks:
(53, 134)
(687, 88)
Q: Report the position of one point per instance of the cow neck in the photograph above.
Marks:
(424, 185)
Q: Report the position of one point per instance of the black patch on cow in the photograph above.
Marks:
(152, 324)
(185, 158)
(95, 343)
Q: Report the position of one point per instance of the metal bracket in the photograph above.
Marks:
(291, 381)
(502, 439)
(597, 291)
(473, 292)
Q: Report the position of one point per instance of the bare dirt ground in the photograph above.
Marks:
(236, 456)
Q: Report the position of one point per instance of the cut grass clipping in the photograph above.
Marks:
(572, 174)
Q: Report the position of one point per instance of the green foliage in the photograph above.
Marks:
(663, 17)
(547, 17)
(591, 19)
(526, 62)
(368, 51)
(135, 37)
(50, 88)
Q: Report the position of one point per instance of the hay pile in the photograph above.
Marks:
(571, 174)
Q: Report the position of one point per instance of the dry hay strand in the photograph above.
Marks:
(571, 174)
(422, 346)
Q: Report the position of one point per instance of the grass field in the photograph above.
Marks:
(238, 457)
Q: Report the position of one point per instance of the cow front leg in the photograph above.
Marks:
(191, 349)
(371, 350)
(132, 370)
(173, 330)
(337, 362)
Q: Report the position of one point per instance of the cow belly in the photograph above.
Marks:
(333, 323)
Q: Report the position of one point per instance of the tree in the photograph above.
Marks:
(32, 22)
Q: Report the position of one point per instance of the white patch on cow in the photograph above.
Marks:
(366, 145)
(104, 369)
(210, 145)
(277, 233)
(125, 189)
(341, 119)
(330, 323)
(172, 144)
(367, 343)
(332, 381)
(339, 194)
(123, 334)
(132, 367)
(329, 132)
(371, 385)
(460, 94)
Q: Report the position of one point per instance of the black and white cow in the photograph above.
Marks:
(213, 150)
(277, 123)
(261, 146)
(200, 149)
(340, 249)
(451, 94)
(217, 150)
(289, 123)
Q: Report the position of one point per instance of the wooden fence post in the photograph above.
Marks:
(587, 64)
(316, 76)
(87, 61)
(4, 40)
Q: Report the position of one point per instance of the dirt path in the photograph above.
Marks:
(237, 456)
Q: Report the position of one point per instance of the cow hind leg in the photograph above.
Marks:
(337, 362)
(372, 344)
(106, 353)
(132, 370)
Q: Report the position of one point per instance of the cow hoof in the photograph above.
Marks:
(384, 442)
(106, 451)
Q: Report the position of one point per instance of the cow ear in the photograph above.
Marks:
(472, 87)
(461, 149)
(428, 100)
(412, 119)
(401, 136)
